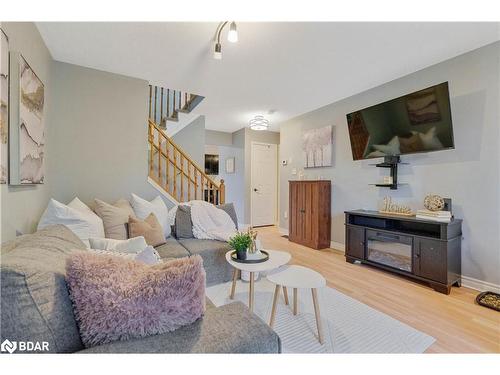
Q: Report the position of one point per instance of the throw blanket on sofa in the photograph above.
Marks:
(211, 223)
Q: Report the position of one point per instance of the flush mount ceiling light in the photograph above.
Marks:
(232, 36)
(259, 123)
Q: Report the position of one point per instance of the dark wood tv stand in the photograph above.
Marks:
(424, 250)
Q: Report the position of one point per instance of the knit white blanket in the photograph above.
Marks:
(209, 222)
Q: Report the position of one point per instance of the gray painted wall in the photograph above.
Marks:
(469, 174)
(192, 140)
(101, 142)
(222, 143)
(22, 206)
(213, 137)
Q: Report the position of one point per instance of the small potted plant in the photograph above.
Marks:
(240, 242)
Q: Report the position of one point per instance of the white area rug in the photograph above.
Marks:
(349, 326)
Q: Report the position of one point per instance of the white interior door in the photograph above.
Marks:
(264, 183)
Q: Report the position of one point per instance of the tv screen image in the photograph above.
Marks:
(417, 122)
(211, 164)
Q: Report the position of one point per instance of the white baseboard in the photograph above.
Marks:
(243, 226)
(337, 246)
(480, 285)
(283, 231)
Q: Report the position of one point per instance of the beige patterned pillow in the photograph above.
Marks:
(114, 217)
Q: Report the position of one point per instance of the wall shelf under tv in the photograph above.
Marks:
(390, 162)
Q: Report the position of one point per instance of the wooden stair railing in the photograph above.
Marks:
(172, 169)
(166, 104)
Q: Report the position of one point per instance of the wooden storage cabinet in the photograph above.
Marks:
(309, 213)
(431, 251)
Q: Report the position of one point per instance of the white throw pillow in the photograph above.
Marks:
(430, 139)
(96, 225)
(391, 148)
(132, 245)
(157, 206)
(58, 213)
(147, 256)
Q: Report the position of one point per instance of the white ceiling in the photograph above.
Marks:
(291, 68)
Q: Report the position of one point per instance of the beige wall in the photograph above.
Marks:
(22, 206)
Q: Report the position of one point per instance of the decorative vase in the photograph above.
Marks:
(241, 254)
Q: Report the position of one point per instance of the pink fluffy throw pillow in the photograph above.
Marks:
(119, 299)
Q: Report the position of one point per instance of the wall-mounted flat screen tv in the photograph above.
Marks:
(417, 122)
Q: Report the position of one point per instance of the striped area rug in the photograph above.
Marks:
(349, 326)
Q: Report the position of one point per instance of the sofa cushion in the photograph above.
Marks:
(143, 208)
(57, 213)
(172, 249)
(115, 217)
(120, 299)
(149, 228)
(132, 245)
(34, 297)
(183, 223)
(214, 258)
(229, 209)
(230, 328)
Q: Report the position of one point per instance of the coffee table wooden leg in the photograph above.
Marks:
(275, 302)
(285, 294)
(294, 301)
(233, 287)
(318, 316)
(250, 296)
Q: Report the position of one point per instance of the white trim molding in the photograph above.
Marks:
(337, 246)
(482, 286)
(170, 198)
(283, 231)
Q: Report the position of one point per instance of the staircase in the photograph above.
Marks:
(166, 104)
(170, 168)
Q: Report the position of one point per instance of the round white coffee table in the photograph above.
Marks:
(276, 259)
(298, 277)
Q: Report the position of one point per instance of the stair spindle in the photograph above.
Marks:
(182, 178)
(168, 103)
(150, 101)
(161, 106)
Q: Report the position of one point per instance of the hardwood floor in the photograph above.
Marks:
(457, 323)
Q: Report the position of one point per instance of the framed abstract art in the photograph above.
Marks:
(27, 128)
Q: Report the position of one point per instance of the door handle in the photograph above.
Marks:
(255, 189)
(303, 211)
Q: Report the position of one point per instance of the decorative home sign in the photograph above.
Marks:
(27, 133)
(4, 105)
(317, 146)
(395, 209)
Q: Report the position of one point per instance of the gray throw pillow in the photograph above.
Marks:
(183, 223)
(229, 209)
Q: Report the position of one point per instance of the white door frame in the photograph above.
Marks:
(276, 214)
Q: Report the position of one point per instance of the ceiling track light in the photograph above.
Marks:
(232, 37)
(259, 123)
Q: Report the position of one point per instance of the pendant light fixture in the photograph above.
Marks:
(232, 37)
(259, 123)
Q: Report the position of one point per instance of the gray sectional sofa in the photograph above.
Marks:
(36, 304)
